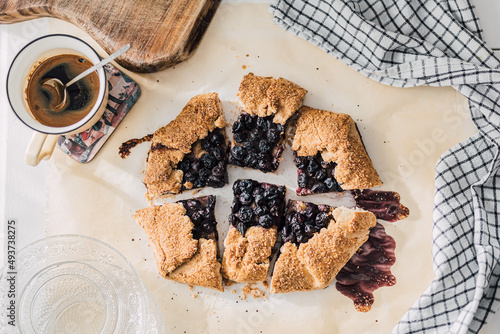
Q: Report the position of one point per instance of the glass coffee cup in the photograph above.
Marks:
(46, 51)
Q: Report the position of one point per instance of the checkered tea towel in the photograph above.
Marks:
(407, 43)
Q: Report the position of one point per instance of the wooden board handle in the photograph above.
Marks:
(162, 33)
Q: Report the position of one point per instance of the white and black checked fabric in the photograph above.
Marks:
(408, 43)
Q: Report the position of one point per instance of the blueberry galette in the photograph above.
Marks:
(259, 132)
(318, 241)
(183, 236)
(191, 151)
(257, 211)
(329, 154)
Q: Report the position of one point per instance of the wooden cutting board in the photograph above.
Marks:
(162, 33)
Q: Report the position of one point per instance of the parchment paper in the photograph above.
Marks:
(404, 131)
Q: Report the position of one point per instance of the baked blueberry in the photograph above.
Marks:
(246, 198)
(206, 164)
(204, 173)
(237, 153)
(261, 210)
(201, 211)
(238, 126)
(215, 181)
(264, 146)
(303, 220)
(217, 139)
(184, 165)
(239, 137)
(312, 166)
(245, 214)
(257, 204)
(258, 143)
(318, 188)
(208, 160)
(320, 175)
(314, 175)
(266, 221)
(302, 180)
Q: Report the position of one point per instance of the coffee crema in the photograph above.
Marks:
(81, 96)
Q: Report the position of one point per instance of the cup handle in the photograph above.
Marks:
(40, 147)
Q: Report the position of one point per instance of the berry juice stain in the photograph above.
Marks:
(385, 205)
(368, 269)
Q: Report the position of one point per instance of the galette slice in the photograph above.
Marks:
(191, 151)
(257, 212)
(259, 132)
(329, 154)
(183, 236)
(317, 242)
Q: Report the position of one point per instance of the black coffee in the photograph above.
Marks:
(81, 95)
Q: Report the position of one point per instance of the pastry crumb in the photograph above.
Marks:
(265, 284)
(195, 295)
(253, 291)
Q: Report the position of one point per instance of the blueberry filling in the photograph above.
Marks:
(256, 204)
(257, 143)
(201, 211)
(314, 175)
(206, 164)
(303, 220)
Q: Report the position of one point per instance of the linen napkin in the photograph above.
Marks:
(438, 43)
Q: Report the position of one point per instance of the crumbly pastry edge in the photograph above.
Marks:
(201, 251)
(314, 265)
(337, 139)
(161, 177)
(247, 258)
(266, 96)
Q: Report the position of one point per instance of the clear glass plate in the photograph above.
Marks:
(77, 284)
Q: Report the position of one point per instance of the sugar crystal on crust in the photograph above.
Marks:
(314, 264)
(178, 255)
(169, 145)
(202, 269)
(336, 137)
(246, 258)
(265, 96)
(169, 232)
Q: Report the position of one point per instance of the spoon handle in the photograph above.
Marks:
(98, 65)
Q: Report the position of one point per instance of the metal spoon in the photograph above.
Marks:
(61, 89)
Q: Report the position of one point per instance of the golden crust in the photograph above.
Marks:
(315, 264)
(265, 96)
(178, 256)
(202, 269)
(170, 143)
(289, 273)
(169, 231)
(335, 136)
(246, 258)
